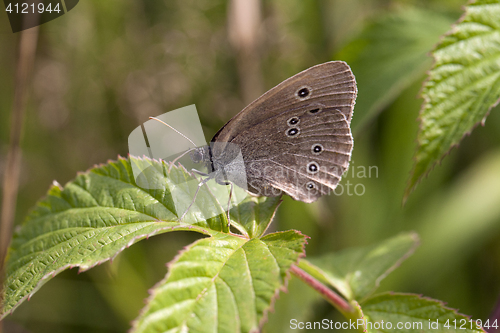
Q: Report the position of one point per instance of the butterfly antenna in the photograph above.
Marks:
(164, 123)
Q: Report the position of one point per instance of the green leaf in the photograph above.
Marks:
(389, 55)
(253, 215)
(96, 216)
(223, 283)
(462, 87)
(357, 272)
(419, 314)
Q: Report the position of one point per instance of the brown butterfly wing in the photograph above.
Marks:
(321, 99)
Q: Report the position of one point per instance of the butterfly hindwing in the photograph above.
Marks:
(314, 152)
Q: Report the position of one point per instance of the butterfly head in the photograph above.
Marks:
(201, 155)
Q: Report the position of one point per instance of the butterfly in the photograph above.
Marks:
(294, 139)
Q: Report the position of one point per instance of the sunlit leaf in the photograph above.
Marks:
(221, 284)
(463, 85)
(254, 214)
(96, 216)
(413, 313)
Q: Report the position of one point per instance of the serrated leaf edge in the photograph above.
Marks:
(420, 296)
(284, 287)
(83, 267)
(411, 187)
(262, 321)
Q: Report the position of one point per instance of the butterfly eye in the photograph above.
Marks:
(317, 149)
(303, 92)
(310, 185)
(312, 167)
(292, 132)
(293, 121)
(196, 155)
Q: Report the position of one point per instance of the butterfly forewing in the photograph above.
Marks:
(332, 84)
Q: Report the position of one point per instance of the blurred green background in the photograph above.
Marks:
(106, 66)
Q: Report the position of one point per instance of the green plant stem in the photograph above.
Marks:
(27, 49)
(332, 297)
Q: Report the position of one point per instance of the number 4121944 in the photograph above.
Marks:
(24, 8)
(470, 324)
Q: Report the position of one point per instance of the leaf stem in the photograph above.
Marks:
(332, 297)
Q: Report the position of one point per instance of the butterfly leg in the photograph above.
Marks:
(200, 173)
(229, 203)
(200, 184)
(230, 191)
(203, 182)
